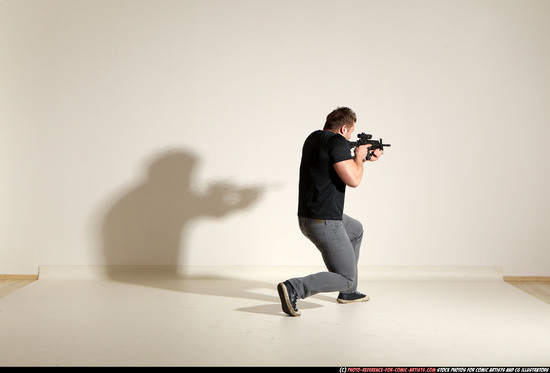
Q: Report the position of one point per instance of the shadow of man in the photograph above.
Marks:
(144, 226)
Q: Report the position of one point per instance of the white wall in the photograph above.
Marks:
(117, 117)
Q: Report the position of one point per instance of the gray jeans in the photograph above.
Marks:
(339, 242)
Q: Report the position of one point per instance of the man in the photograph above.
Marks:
(327, 167)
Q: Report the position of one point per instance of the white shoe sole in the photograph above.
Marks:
(343, 301)
(285, 301)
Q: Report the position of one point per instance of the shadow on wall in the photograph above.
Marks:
(144, 226)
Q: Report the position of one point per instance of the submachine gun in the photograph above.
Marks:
(365, 139)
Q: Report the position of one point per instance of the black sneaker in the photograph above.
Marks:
(354, 297)
(288, 298)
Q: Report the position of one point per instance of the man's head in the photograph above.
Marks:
(341, 120)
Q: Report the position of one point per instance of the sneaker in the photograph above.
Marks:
(354, 297)
(288, 298)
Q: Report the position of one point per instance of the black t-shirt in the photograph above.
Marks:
(321, 191)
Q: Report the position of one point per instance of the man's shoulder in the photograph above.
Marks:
(326, 136)
(316, 133)
(327, 141)
(336, 138)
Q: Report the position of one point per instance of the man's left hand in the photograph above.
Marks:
(376, 154)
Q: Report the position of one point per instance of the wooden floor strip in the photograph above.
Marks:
(526, 279)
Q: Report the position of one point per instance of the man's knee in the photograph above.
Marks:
(354, 227)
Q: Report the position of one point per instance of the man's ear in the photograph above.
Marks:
(346, 128)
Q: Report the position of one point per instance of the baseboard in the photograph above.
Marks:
(274, 273)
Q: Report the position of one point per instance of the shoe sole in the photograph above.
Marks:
(343, 301)
(285, 301)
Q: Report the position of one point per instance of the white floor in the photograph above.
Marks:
(222, 316)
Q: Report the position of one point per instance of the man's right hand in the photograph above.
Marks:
(361, 152)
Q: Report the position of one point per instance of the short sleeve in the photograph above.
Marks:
(338, 149)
